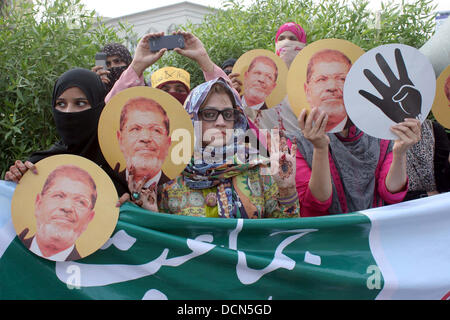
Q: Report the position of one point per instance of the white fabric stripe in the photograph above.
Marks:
(7, 232)
(7, 235)
(410, 244)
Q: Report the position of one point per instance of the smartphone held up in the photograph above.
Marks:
(100, 59)
(169, 42)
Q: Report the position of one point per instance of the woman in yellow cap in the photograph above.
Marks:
(174, 81)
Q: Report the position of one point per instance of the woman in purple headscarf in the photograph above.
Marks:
(226, 178)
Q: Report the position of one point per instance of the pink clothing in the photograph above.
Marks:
(311, 207)
(129, 79)
(293, 27)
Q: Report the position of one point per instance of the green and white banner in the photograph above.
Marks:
(395, 252)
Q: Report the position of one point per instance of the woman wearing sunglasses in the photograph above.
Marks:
(221, 180)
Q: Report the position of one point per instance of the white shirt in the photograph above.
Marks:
(255, 107)
(60, 256)
(340, 126)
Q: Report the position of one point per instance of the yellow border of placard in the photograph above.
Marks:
(106, 215)
(441, 105)
(178, 117)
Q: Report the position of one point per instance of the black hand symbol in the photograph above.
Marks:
(401, 99)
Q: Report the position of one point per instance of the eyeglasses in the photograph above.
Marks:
(210, 114)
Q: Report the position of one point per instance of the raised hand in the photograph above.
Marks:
(408, 133)
(314, 131)
(143, 57)
(102, 73)
(16, 171)
(284, 159)
(194, 49)
(237, 84)
(401, 99)
(143, 197)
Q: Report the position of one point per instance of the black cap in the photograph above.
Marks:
(228, 62)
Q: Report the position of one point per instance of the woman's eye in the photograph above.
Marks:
(228, 114)
(60, 104)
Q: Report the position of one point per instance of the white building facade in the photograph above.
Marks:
(167, 19)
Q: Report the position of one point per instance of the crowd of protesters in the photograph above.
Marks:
(320, 173)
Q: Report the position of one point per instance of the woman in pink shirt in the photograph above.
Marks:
(349, 171)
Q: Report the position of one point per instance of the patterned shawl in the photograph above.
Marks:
(203, 174)
(420, 160)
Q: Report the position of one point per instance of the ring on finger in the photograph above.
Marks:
(136, 195)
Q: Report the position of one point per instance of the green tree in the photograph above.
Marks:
(236, 29)
(38, 42)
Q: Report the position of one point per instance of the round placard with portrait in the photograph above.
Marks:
(67, 211)
(387, 85)
(263, 77)
(441, 104)
(316, 79)
(146, 131)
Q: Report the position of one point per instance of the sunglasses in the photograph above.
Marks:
(210, 114)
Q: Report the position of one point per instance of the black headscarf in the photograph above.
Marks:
(78, 130)
(229, 62)
(116, 49)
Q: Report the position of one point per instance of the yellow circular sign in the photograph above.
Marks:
(143, 136)
(441, 104)
(327, 50)
(266, 81)
(67, 211)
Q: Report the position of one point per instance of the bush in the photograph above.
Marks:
(38, 42)
(235, 30)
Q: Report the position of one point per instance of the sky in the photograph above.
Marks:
(118, 8)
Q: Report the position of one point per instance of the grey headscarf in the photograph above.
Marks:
(356, 160)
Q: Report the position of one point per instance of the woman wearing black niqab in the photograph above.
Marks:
(77, 130)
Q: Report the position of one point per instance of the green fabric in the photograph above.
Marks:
(178, 267)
